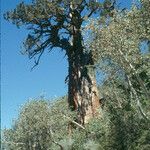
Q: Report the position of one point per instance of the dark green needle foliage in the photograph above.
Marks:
(50, 21)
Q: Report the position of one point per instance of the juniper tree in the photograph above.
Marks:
(58, 24)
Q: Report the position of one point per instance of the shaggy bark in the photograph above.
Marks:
(83, 94)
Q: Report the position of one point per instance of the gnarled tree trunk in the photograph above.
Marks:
(83, 94)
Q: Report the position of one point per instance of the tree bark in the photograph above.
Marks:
(83, 95)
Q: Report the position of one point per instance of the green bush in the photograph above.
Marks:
(44, 125)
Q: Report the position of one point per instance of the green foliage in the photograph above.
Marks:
(52, 22)
(124, 121)
(43, 125)
(31, 127)
(116, 47)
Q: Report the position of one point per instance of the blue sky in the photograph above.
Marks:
(18, 83)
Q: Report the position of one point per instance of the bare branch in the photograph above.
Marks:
(61, 147)
(74, 122)
(14, 143)
(42, 48)
(38, 60)
(79, 6)
(92, 11)
(137, 99)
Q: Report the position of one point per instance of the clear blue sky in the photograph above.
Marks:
(18, 83)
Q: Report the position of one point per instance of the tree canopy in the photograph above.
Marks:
(120, 43)
(50, 21)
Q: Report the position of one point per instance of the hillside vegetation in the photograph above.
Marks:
(42, 125)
